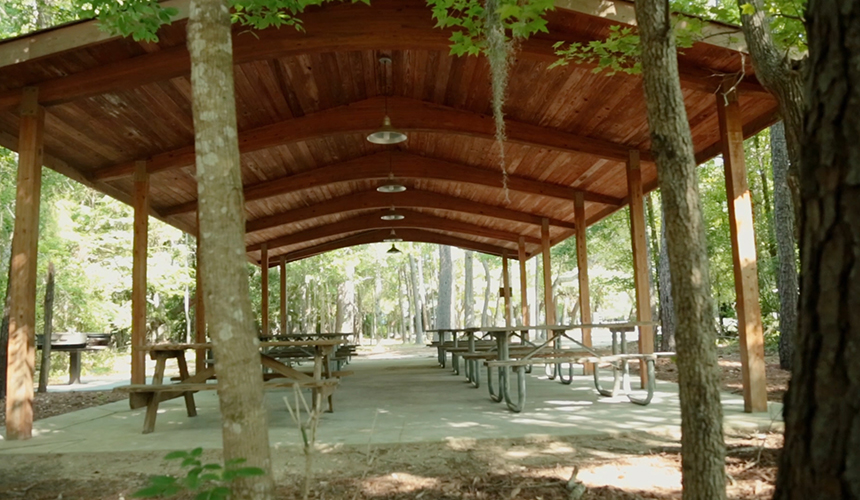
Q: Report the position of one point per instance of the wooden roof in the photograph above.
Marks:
(306, 102)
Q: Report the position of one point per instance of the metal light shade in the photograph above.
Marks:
(392, 215)
(393, 249)
(391, 187)
(387, 134)
(393, 238)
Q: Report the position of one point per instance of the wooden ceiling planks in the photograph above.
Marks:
(285, 79)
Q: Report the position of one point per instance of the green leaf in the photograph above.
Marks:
(747, 9)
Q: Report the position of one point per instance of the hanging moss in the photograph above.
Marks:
(499, 53)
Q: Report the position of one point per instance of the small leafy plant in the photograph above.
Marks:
(210, 481)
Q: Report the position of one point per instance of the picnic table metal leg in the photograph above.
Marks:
(474, 373)
(616, 381)
(649, 386)
(561, 378)
(521, 390)
(550, 371)
(74, 367)
(496, 397)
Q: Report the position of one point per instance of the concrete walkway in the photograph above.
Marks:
(389, 399)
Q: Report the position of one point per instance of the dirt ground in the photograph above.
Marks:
(624, 468)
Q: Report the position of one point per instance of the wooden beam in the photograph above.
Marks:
(549, 300)
(283, 297)
(506, 285)
(412, 198)
(264, 290)
(199, 315)
(403, 166)
(640, 259)
(363, 117)
(389, 25)
(372, 221)
(21, 351)
(138, 274)
(524, 285)
(379, 235)
(743, 254)
(582, 269)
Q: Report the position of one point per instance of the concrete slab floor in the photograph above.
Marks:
(389, 399)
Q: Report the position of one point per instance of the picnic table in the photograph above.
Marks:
(322, 381)
(551, 353)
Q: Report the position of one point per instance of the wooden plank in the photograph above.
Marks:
(506, 285)
(404, 165)
(410, 115)
(743, 254)
(524, 285)
(21, 353)
(283, 297)
(549, 300)
(412, 198)
(372, 221)
(640, 259)
(138, 273)
(582, 269)
(264, 290)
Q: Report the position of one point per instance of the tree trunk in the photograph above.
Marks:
(417, 303)
(822, 445)
(4, 332)
(404, 306)
(425, 320)
(702, 445)
(667, 307)
(468, 293)
(446, 285)
(782, 77)
(45, 367)
(485, 315)
(222, 228)
(783, 222)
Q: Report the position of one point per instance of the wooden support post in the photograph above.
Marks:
(640, 259)
(138, 273)
(524, 285)
(582, 268)
(264, 289)
(743, 254)
(548, 298)
(284, 295)
(22, 287)
(506, 283)
(200, 313)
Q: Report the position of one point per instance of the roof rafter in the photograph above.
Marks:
(385, 26)
(413, 219)
(379, 235)
(364, 200)
(365, 116)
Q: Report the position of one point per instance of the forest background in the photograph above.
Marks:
(88, 238)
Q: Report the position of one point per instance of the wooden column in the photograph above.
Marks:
(264, 289)
(200, 315)
(138, 273)
(506, 284)
(743, 254)
(21, 353)
(548, 299)
(582, 268)
(524, 285)
(640, 258)
(283, 279)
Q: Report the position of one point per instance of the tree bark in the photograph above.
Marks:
(222, 228)
(4, 332)
(785, 247)
(667, 307)
(45, 366)
(417, 303)
(822, 443)
(422, 290)
(485, 310)
(702, 445)
(782, 77)
(446, 288)
(468, 292)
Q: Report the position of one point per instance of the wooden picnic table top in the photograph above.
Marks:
(275, 343)
(630, 324)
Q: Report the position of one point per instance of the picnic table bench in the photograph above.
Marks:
(322, 381)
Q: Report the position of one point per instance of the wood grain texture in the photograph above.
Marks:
(138, 273)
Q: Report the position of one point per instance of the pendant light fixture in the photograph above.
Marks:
(391, 186)
(392, 238)
(387, 134)
(393, 250)
(392, 215)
